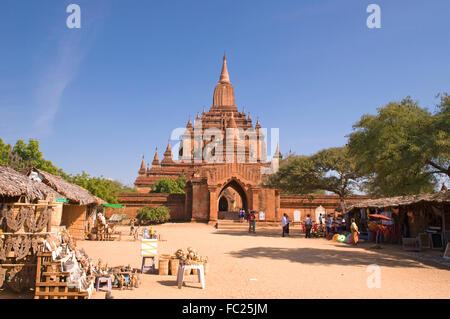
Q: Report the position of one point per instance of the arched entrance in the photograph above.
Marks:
(232, 198)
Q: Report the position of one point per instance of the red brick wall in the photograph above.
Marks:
(174, 202)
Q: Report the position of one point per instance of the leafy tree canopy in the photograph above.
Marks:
(26, 155)
(328, 170)
(403, 148)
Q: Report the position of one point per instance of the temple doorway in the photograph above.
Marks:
(223, 204)
(232, 199)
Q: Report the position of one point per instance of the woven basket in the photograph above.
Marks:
(173, 266)
(163, 267)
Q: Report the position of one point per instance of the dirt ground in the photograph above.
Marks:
(265, 265)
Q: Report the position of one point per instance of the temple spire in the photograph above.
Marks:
(224, 77)
(224, 93)
(278, 153)
(232, 122)
(168, 154)
(155, 159)
(142, 169)
(189, 123)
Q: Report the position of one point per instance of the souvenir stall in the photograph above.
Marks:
(416, 221)
(79, 204)
(63, 271)
(26, 211)
(101, 228)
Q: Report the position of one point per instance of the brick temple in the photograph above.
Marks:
(223, 157)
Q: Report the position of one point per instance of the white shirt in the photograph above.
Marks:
(284, 221)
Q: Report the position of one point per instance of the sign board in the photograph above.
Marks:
(297, 216)
(149, 247)
(262, 216)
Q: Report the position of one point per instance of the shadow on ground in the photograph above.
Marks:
(259, 233)
(186, 283)
(352, 256)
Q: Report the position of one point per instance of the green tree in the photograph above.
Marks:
(403, 148)
(329, 170)
(336, 172)
(106, 189)
(296, 175)
(26, 155)
(5, 151)
(169, 186)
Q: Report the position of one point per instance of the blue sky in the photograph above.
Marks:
(99, 97)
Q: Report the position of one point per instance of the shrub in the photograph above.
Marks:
(169, 186)
(153, 215)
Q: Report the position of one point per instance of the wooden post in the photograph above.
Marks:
(49, 223)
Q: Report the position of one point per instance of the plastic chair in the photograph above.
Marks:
(102, 282)
(200, 274)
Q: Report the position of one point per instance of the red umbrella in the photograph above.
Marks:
(378, 216)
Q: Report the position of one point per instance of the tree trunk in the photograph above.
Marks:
(344, 209)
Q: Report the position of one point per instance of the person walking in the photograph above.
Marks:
(328, 224)
(355, 232)
(251, 222)
(308, 225)
(285, 224)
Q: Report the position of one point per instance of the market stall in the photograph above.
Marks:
(421, 220)
(26, 216)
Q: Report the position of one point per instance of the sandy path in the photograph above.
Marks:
(266, 265)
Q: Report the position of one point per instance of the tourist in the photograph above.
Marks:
(308, 225)
(328, 224)
(337, 225)
(285, 224)
(251, 222)
(320, 220)
(355, 232)
(241, 215)
(132, 229)
(137, 233)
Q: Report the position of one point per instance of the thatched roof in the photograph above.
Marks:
(14, 184)
(438, 198)
(72, 192)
